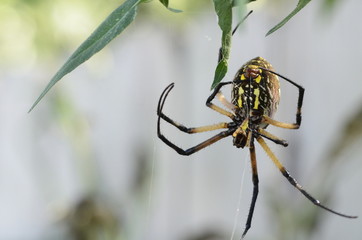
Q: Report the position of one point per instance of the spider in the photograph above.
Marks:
(254, 99)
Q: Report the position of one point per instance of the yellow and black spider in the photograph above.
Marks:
(255, 98)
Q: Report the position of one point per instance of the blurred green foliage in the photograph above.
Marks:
(123, 15)
(44, 29)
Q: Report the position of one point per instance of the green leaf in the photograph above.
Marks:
(223, 10)
(165, 3)
(237, 2)
(301, 4)
(174, 10)
(112, 26)
(329, 5)
(220, 72)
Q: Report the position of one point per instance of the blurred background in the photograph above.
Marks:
(86, 163)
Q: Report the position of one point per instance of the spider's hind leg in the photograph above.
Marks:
(255, 184)
(271, 137)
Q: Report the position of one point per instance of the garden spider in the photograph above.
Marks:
(254, 99)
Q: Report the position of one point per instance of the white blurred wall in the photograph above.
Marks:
(116, 95)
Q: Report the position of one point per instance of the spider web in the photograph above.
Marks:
(237, 211)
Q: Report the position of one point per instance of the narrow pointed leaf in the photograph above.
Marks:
(165, 3)
(174, 10)
(111, 27)
(220, 72)
(329, 5)
(301, 4)
(237, 2)
(223, 10)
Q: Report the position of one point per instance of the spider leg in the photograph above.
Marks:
(225, 102)
(293, 181)
(231, 128)
(298, 115)
(255, 184)
(199, 146)
(213, 106)
(271, 137)
(276, 123)
(180, 126)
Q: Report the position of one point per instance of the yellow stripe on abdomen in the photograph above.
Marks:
(240, 100)
(256, 102)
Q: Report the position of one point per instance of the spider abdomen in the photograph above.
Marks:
(255, 90)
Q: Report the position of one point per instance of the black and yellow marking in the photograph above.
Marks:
(254, 99)
(255, 88)
(257, 96)
(240, 97)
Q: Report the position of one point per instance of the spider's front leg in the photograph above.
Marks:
(217, 108)
(230, 126)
